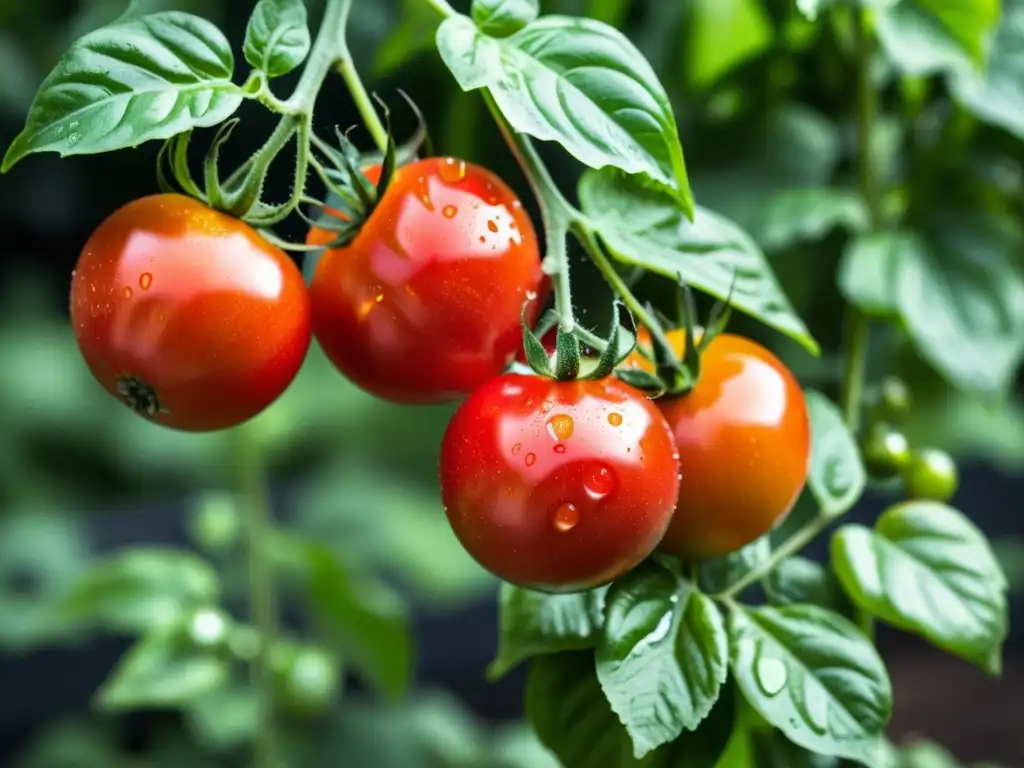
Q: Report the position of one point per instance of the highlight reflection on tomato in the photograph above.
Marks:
(558, 486)
(187, 315)
(744, 440)
(424, 304)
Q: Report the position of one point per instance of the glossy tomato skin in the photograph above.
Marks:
(424, 304)
(558, 486)
(744, 441)
(187, 314)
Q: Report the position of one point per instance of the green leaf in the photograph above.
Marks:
(870, 267)
(663, 655)
(578, 82)
(707, 744)
(926, 568)
(717, 574)
(133, 81)
(224, 718)
(570, 715)
(925, 36)
(644, 227)
(501, 18)
(996, 94)
(163, 669)
(140, 589)
(962, 301)
(533, 623)
(837, 477)
(277, 36)
(800, 214)
(799, 581)
(364, 622)
(724, 34)
(814, 676)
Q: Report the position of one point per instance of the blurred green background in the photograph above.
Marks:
(763, 98)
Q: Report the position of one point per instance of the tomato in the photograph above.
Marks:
(209, 629)
(306, 678)
(558, 486)
(931, 474)
(424, 304)
(187, 315)
(744, 440)
(886, 450)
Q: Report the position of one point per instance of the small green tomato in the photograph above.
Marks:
(886, 451)
(307, 678)
(931, 475)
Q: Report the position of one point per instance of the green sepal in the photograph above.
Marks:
(387, 170)
(536, 355)
(567, 355)
(645, 381)
(420, 142)
(615, 353)
(211, 174)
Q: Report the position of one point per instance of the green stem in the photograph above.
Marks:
(252, 489)
(442, 7)
(327, 49)
(347, 69)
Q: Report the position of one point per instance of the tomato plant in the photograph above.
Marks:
(187, 315)
(582, 476)
(424, 304)
(627, 504)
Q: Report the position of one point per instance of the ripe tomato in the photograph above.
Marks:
(424, 304)
(187, 314)
(558, 486)
(744, 441)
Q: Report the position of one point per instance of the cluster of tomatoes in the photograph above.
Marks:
(198, 323)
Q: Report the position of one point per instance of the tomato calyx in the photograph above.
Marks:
(139, 396)
(676, 372)
(572, 347)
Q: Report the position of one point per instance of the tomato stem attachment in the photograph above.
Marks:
(251, 483)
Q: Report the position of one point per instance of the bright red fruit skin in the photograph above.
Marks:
(192, 306)
(424, 304)
(744, 440)
(558, 486)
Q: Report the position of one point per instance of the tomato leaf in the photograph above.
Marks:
(534, 623)
(578, 82)
(814, 676)
(224, 718)
(799, 214)
(136, 80)
(717, 574)
(644, 227)
(501, 18)
(926, 36)
(162, 669)
(996, 94)
(706, 744)
(869, 270)
(799, 581)
(926, 568)
(141, 588)
(663, 655)
(962, 301)
(723, 35)
(570, 715)
(363, 621)
(837, 477)
(277, 36)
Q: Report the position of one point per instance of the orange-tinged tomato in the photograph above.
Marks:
(744, 440)
(187, 315)
(424, 304)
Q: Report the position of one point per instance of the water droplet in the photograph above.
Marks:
(510, 492)
(599, 483)
(127, 291)
(560, 426)
(379, 298)
(145, 280)
(566, 517)
(771, 675)
(452, 170)
(517, 204)
(531, 295)
(559, 448)
(483, 239)
(615, 419)
(530, 458)
(449, 211)
(511, 225)
(512, 390)
(516, 449)
(661, 629)
(492, 225)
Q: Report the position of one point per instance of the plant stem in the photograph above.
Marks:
(327, 49)
(253, 493)
(347, 69)
(442, 7)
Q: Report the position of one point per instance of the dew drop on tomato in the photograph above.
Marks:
(560, 427)
(559, 448)
(449, 211)
(615, 419)
(530, 459)
(600, 482)
(145, 280)
(492, 225)
(452, 171)
(566, 517)
(516, 449)
(127, 291)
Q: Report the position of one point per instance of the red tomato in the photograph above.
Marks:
(424, 304)
(744, 441)
(187, 314)
(558, 486)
